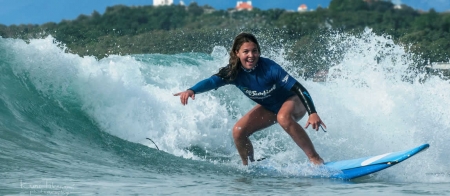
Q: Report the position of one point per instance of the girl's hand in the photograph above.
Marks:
(184, 96)
(315, 121)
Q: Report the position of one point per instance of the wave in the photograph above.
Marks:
(58, 108)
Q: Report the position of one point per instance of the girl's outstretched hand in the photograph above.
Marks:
(315, 121)
(184, 96)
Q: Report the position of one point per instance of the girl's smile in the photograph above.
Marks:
(248, 54)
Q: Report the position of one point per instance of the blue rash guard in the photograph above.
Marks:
(268, 84)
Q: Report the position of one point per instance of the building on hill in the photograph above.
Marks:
(438, 68)
(397, 3)
(302, 8)
(397, 7)
(162, 2)
(244, 6)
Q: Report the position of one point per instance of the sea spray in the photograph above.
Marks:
(371, 103)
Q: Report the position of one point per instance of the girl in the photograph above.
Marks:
(279, 97)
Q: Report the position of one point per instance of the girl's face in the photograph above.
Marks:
(248, 54)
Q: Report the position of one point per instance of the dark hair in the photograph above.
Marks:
(230, 72)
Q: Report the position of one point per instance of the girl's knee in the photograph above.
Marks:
(240, 132)
(237, 132)
(284, 120)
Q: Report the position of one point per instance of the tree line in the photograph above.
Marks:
(177, 29)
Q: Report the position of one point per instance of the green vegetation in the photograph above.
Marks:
(176, 29)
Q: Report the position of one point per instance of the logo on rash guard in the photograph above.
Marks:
(285, 79)
(257, 94)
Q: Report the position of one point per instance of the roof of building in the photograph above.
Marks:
(244, 5)
(302, 7)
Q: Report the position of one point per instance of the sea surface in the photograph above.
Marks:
(72, 125)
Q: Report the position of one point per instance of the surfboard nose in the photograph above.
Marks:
(363, 166)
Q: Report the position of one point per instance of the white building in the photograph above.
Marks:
(440, 65)
(302, 8)
(397, 4)
(162, 2)
(244, 6)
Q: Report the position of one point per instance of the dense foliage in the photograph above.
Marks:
(176, 29)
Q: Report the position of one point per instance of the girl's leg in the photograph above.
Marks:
(291, 111)
(256, 119)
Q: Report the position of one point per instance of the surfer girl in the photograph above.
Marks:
(280, 98)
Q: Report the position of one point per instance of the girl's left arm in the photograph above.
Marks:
(307, 101)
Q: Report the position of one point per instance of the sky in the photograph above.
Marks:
(16, 12)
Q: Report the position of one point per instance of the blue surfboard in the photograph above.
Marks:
(349, 169)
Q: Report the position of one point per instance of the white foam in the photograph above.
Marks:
(367, 105)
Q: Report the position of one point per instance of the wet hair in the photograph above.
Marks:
(230, 72)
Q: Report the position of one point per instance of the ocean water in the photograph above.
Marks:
(73, 125)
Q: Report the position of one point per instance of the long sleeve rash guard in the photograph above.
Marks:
(268, 85)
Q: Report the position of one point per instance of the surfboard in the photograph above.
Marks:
(354, 168)
(344, 169)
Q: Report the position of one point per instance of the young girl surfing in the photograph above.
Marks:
(280, 98)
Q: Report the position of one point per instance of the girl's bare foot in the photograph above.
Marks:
(316, 160)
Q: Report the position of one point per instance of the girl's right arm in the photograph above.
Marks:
(208, 84)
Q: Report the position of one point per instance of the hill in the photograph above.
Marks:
(177, 29)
